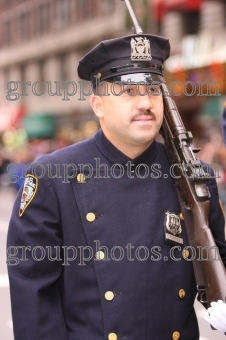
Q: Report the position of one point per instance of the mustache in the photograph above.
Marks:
(144, 113)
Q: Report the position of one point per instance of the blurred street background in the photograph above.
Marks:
(41, 110)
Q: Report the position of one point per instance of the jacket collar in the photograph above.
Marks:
(116, 156)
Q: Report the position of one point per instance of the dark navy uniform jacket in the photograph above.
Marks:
(139, 288)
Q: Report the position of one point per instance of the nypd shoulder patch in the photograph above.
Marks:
(29, 191)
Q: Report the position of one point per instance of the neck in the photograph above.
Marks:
(131, 151)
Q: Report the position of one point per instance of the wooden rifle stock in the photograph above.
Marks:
(191, 184)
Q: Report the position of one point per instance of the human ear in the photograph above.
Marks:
(97, 105)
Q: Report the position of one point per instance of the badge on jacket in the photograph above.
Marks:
(173, 228)
(29, 191)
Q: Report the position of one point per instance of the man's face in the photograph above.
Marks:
(131, 118)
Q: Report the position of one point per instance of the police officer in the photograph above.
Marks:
(87, 254)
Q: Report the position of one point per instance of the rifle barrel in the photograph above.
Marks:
(138, 29)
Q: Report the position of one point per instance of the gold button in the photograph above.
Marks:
(176, 335)
(100, 255)
(109, 295)
(181, 293)
(81, 178)
(90, 217)
(112, 336)
(181, 216)
(185, 253)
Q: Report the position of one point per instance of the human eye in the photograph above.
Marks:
(130, 91)
(154, 90)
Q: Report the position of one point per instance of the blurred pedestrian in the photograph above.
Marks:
(224, 123)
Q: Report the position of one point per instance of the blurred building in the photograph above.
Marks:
(197, 66)
(179, 18)
(41, 42)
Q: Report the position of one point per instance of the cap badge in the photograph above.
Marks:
(173, 228)
(140, 49)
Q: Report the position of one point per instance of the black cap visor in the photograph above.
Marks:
(136, 78)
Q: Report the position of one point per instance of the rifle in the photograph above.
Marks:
(193, 194)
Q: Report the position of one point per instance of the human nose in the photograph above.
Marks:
(144, 101)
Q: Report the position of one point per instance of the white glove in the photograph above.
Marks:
(217, 315)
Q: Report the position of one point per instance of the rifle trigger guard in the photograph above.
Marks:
(202, 294)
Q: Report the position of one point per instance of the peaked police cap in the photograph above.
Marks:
(139, 55)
